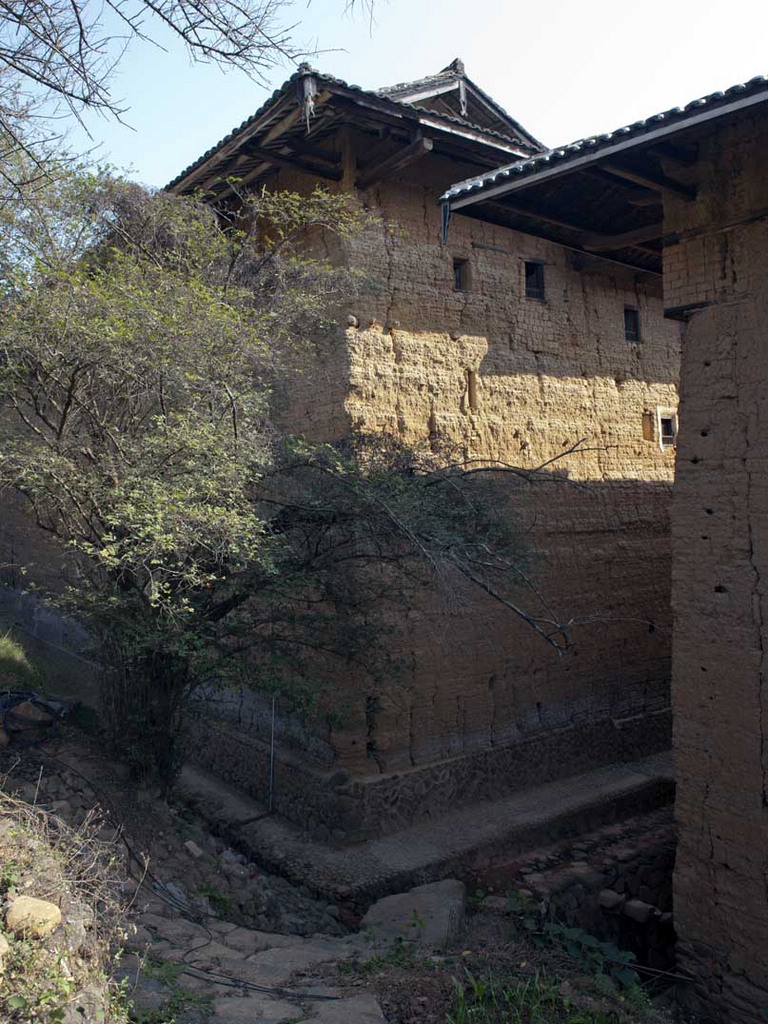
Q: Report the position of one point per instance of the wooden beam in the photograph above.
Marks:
(402, 158)
(653, 180)
(545, 218)
(588, 238)
(647, 200)
(492, 216)
(268, 158)
(631, 187)
(231, 147)
(625, 240)
(675, 155)
(333, 173)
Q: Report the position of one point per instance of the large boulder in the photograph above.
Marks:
(430, 915)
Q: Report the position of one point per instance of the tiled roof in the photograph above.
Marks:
(453, 72)
(593, 144)
(305, 70)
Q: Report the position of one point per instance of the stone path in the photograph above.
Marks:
(452, 844)
(215, 972)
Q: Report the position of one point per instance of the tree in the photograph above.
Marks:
(138, 342)
(58, 57)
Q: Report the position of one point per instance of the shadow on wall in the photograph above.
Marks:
(483, 706)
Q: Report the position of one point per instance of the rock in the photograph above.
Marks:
(5, 948)
(210, 951)
(149, 995)
(336, 779)
(429, 914)
(252, 1008)
(178, 931)
(235, 871)
(26, 791)
(5, 739)
(247, 941)
(27, 716)
(363, 1009)
(275, 966)
(90, 1004)
(193, 849)
(138, 940)
(30, 916)
(640, 911)
(609, 899)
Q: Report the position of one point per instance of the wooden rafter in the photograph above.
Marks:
(626, 240)
(332, 172)
(418, 148)
(653, 180)
(587, 238)
(290, 119)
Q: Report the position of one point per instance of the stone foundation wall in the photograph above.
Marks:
(615, 883)
(333, 805)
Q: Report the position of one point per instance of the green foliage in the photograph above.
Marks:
(533, 1000)
(593, 955)
(537, 998)
(16, 671)
(142, 336)
(401, 954)
(220, 901)
(609, 965)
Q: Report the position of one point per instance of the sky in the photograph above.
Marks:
(564, 69)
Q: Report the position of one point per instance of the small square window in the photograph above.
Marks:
(461, 275)
(534, 279)
(631, 323)
(666, 420)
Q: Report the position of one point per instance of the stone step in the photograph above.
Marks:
(457, 844)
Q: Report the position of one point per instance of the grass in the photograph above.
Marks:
(400, 955)
(16, 670)
(541, 998)
(52, 671)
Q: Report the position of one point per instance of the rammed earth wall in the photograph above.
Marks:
(516, 379)
(720, 569)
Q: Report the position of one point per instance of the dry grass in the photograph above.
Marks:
(40, 856)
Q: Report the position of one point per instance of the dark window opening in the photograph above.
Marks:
(534, 279)
(461, 275)
(631, 324)
(667, 431)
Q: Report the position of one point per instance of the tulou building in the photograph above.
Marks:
(520, 338)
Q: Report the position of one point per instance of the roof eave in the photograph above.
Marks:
(363, 98)
(478, 194)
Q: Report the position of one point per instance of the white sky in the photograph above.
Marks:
(564, 69)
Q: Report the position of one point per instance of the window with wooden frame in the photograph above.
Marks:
(461, 276)
(666, 428)
(534, 279)
(631, 323)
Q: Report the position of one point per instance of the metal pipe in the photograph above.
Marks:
(272, 762)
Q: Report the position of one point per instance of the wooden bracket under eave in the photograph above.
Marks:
(414, 151)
